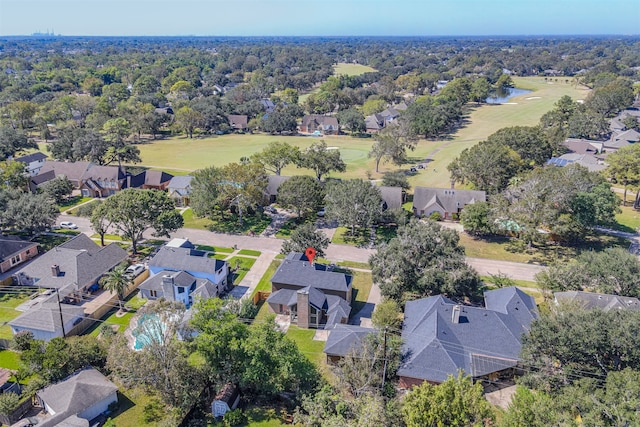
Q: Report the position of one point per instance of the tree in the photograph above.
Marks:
(624, 169)
(480, 90)
(206, 192)
(396, 179)
(613, 271)
(280, 120)
(132, 212)
(504, 82)
(352, 119)
(116, 131)
(301, 193)
(22, 113)
(476, 218)
(59, 189)
(243, 186)
(387, 314)
(528, 141)
(100, 221)
(488, 165)
(9, 401)
(321, 160)
(373, 106)
(116, 281)
(457, 402)
(424, 259)
(13, 141)
(127, 153)
(13, 175)
(353, 203)
(276, 156)
(392, 143)
(303, 237)
(27, 212)
(187, 119)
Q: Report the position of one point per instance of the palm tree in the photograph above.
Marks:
(116, 281)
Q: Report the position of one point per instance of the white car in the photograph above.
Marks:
(134, 270)
(69, 225)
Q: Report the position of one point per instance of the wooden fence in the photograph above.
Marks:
(260, 296)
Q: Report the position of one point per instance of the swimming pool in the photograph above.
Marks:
(150, 329)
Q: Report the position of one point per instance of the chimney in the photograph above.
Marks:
(455, 314)
(303, 308)
(167, 279)
(167, 287)
(55, 270)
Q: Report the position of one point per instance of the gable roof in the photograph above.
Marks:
(13, 245)
(33, 157)
(295, 270)
(104, 173)
(324, 122)
(45, 316)
(583, 146)
(274, 182)
(72, 170)
(75, 394)
(237, 121)
(374, 122)
(153, 178)
(590, 300)
(342, 338)
(189, 260)
(484, 340)
(392, 196)
(79, 260)
(450, 200)
(180, 184)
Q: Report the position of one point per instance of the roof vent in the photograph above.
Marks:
(55, 270)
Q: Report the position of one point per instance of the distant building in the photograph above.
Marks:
(447, 202)
(324, 125)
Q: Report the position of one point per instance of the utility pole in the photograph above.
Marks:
(384, 371)
(60, 311)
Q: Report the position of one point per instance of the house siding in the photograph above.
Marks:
(98, 408)
(24, 256)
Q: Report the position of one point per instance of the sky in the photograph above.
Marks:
(319, 17)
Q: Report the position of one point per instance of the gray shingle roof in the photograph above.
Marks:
(274, 182)
(13, 245)
(392, 196)
(186, 259)
(46, 316)
(80, 261)
(180, 278)
(450, 200)
(288, 297)
(293, 271)
(33, 157)
(75, 394)
(483, 341)
(72, 170)
(180, 184)
(604, 302)
(342, 338)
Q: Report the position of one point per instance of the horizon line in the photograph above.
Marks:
(36, 34)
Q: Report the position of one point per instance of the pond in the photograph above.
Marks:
(502, 96)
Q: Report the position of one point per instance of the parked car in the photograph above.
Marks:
(134, 270)
(69, 225)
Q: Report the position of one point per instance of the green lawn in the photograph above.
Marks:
(354, 264)
(133, 303)
(192, 221)
(361, 284)
(628, 220)
(251, 223)
(265, 282)
(343, 236)
(131, 403)
(249, 252)
(497, 248)
(307, 345)
(73, 202)
(191, 154)
(517, 282)
(108, 237)
(9, 360)
(346, 69)
(10, 298)
(214, 249)
(244, 265)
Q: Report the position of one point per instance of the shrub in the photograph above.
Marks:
(87, 209)
(152, 411)
(234, 418)
(22, 340)
(8, 402)
(435, 216)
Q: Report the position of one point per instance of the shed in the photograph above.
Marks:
(226, 400)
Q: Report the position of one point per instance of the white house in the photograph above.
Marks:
(33, 162)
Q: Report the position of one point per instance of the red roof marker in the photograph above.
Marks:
(311, 254)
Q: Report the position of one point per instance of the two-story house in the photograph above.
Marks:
(33, 162)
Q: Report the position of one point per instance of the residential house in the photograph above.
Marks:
(622, 139)
(74, 171)
(589, 161)
(179, 189)
(274, 182)
(47, 319)
(390, 115)
(33, 162)
(151, 180)
(78, 399)
(267, 105)
(583, 146)
(238, 121)
(14, 251)
(183, 273)
(447, 202)
(72, 267)
(342, 339)
(591, 300)
(310, 293)
(374, 123)
(391, 197)
(441, 337)
(317, 123)
(102, 181)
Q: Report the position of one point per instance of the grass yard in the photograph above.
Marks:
(48, 242)
(496, 248)
(346, 69)
(361, 284)
(522, 283)
(10, 298)
(73, 202)
(109, 237)
(354, 264)
(311, 348)
(264, 285)
(9, 360)
(214, 249)
(628, 220)
(132, 304)
(130, 411)
(342, 236)
(243, 264)
(249, 252)
(192, 221)
(251, 223)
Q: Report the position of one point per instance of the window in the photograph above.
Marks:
(180, 289)
(153, 294)
(15, 260)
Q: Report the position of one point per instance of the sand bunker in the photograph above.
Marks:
(532, 97)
